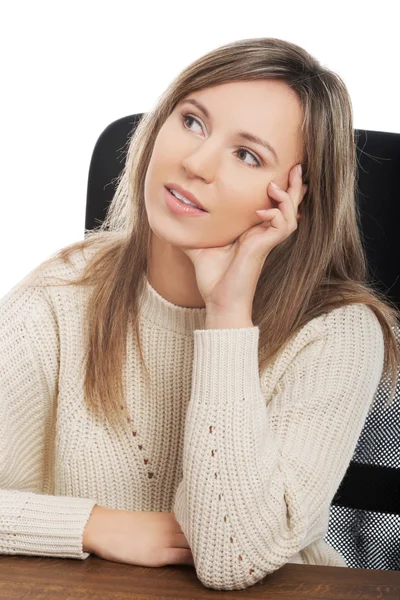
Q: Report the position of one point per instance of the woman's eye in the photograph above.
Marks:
(258, 164)
(189, 117)
(185, 118)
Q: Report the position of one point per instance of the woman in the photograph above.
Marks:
(189, 387)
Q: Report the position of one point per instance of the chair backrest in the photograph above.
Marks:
(364, 521)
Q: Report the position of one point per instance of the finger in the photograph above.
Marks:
(301, 189)
(295, 179)
(286, 205)
(296, 189)
(273, 217)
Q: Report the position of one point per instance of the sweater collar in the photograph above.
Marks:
(156, 309)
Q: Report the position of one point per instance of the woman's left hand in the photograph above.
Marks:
(227, 276)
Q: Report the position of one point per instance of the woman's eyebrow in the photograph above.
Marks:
(243, 134)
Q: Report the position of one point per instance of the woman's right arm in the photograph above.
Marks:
(32, 521)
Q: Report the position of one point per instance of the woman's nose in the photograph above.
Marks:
(202, 162)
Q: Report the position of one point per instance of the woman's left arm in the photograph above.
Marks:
(260, 468)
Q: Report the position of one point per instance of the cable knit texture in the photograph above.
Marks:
(249, 462)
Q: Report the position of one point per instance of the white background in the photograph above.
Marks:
(68, 69)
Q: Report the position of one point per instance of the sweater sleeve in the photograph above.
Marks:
(31, 521)
(262, 462)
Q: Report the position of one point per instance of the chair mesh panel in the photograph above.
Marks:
(370, 539)
(366, 539)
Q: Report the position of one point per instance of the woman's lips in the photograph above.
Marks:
(188, 195)
(180, 208)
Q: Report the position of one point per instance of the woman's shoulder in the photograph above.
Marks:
(64, 265)
(356, 320)
(348, 326)
(33, 293)
(348, 335)
(343, 319)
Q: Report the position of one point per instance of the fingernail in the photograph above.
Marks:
(299, 169)
(274, 185)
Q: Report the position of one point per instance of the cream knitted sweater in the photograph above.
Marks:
(248, 462)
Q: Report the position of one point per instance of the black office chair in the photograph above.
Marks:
(364, 524)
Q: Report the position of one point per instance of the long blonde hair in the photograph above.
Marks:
(320, 267)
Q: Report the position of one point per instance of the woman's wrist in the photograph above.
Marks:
(89, 532)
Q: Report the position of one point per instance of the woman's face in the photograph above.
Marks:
(226, 172)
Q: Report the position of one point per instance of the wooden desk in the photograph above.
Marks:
(31, 577)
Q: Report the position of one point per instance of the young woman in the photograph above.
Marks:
(188, 386)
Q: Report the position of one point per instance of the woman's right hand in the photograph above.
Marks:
(147, 539)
